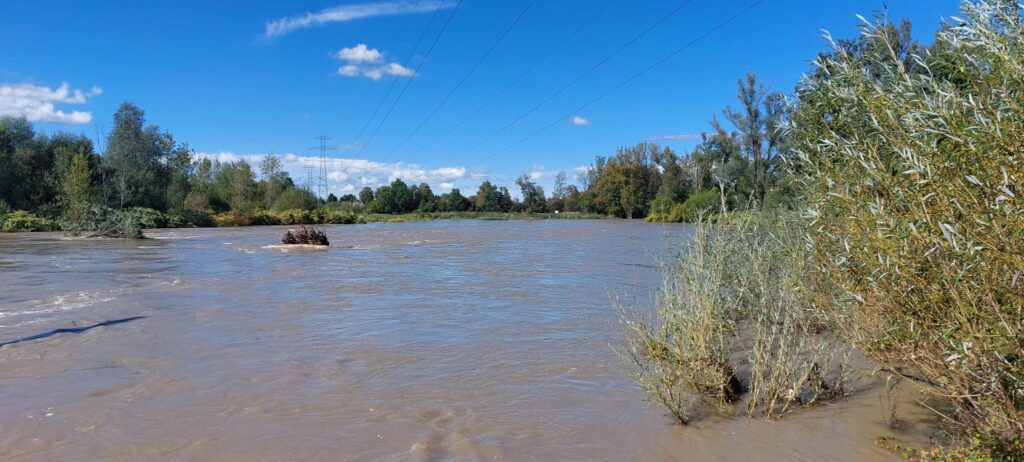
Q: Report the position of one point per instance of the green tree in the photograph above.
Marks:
(201, 189)
(533, 195)
(134, 161)
(759, 122)
(487, 199)
(454, 201)
(424, 198)
(273, 184)
(181, 169)
(76, 188)
(403, 197)
(296, 198)
(366, 195)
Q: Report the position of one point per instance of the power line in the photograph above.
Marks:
(515, 81)
(627, 81)
(407, 82)
(574, 81)
(464, 78)
(398, 39)
(408, 59)
(405, 64)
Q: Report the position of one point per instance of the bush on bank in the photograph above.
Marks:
(21, 220)
(915, 182)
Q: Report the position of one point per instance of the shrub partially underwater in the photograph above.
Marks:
(734, 323)
(91, 220)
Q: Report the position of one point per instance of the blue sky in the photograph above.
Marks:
(243, 79)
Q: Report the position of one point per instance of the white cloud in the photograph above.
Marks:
(373, 74)
(360, 54)
(361, 61)
(399, 70)
(580, 121)
(38, 103)
(349, 70)
(538, 171)
(347, 175)
(346, 13)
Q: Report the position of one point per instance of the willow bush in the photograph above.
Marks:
(734, 322)
(913, 170)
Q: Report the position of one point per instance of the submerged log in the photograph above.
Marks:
(306, 235)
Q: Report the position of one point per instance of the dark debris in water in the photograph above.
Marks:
(308, 235)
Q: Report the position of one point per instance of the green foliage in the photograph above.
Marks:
(297, 217)
(295, 198)
(189, 219)
(228, 219)
(913, 177)
(180, 170)
(453, 201)
(76, 190)
(147, 218)
(732, 287)
(21, 220)
(342, 218)
(134, 160)
(366, 195)
(702, 204)
(533, 195)
(102, 221)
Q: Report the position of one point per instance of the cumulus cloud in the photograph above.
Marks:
(363, 61)
(580, 121)
(360, 54)
(38, 103)
(347, 175)
(347, 13)
(349, 70)
(538, 172)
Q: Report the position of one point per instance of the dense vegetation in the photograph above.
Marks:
(61, 181)
(906, 163)
(147, 179)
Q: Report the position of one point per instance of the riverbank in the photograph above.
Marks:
(23, 221)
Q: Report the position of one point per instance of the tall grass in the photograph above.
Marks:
(735, 288)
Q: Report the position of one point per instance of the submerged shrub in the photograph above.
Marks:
(190, 219)
(914, 181)
(21, 220)
(263, 217)
(733, 284)
(298, 217)
(341, 217)
(147, 218)
(228, 219)
(93, 220)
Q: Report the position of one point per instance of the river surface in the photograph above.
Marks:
(447, 340)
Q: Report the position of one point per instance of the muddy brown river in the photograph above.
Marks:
(447, 340)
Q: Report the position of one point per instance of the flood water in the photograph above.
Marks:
(448, 340)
